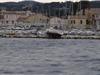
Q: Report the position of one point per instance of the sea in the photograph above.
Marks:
(32, 56)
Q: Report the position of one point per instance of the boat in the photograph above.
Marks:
(54, 33)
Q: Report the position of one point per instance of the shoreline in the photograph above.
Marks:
(63, 37)
(81, 37)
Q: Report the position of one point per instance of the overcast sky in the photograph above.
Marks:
(44, 1)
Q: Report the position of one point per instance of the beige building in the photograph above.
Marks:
(96, 15)
(9, 18)
(87, 21)
(79, 22)
(98, 23)
(93, 15)
(35, 20)
(59, 23)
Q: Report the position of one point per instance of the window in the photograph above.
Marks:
(93, 16)
(47, 20)
(71, 21)
(2, 22)
(12, 22)
(7, 22)
(81, 21)
(40, 19)
(74, 21)
(87, 22)
(1, 17)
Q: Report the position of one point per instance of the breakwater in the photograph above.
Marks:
(80, 37)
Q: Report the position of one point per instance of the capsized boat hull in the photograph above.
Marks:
(53, 35)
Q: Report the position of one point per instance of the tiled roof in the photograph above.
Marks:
(77, 17)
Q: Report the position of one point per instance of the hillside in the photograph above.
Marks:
(59, 9)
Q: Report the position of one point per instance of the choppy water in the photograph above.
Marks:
(49, 57)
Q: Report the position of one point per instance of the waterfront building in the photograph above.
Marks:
(35, 20)
(9, 18)
(79, 22)
(98, 22)
(59, 23)
(93, 16)
(94, 13)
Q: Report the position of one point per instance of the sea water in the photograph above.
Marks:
(29, 56)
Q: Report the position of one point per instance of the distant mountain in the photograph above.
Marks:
(54, 8)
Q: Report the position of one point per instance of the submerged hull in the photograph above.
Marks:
(53, 35)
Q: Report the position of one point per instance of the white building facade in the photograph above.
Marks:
(58, 23)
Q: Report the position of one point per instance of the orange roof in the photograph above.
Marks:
(21, 18)
(14, 12)
(77, 17)
(91, 11)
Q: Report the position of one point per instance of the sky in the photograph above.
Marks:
(44, 1)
